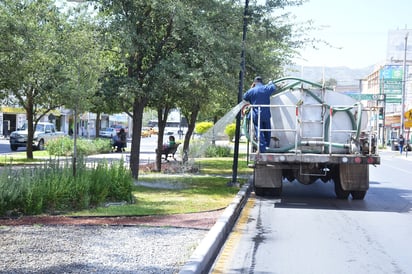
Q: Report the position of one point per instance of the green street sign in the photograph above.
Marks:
(396, 99)
(367, 97)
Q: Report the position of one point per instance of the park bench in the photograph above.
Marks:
(169, 152)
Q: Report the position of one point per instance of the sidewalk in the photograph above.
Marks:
(395, 153)
(145, 158)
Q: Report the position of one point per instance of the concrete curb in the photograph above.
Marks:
(204, 255)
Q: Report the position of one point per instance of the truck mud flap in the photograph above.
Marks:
(354, 177)
(267, 180)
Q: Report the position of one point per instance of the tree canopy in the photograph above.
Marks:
(30, 59)
(132, 54)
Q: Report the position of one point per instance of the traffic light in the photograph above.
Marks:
(380, 114)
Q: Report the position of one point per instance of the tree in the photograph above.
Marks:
(210, 54)
(201, 40)
(146, 34)
(166, 93)
(199, 64)
(29, 58)
(82, 66)
(331, 82)
(270, 45)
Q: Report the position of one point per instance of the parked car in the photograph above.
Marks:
(153, 131)
(108, 132)
(43, 133)
(118, 127)
(146, 132)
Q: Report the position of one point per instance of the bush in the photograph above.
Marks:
(60, 146)
(203, 127)
(53, 188)
(230, 131)
(64, 146)
(218, 151)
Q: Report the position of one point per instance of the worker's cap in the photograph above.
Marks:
(258, 79)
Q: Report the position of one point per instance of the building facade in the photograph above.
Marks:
(392, 78)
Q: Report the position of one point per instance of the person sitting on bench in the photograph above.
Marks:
(119, 141)
(172, 142)
(169, 149)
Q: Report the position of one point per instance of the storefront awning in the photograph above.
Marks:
(17, 110)
(12, 110)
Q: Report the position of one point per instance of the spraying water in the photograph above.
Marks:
(220, 126)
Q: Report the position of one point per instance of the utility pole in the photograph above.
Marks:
(240, 92)
(402, 129)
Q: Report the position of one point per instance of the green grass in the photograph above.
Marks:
(21, 158)
(223, 166)
(198, 194)
(162, 194)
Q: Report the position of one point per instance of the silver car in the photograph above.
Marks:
(108, 132)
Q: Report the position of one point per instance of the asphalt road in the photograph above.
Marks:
(308, 230)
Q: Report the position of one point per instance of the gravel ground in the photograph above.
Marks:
(96, 249)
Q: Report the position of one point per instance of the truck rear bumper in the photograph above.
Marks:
(288, 158)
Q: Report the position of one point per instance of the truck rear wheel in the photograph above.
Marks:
(276, 191)
(339, 191)
(259, 191)
(358, 195)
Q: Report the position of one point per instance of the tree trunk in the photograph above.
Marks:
(30, 128)
(162, 115)
(98, 123)
(138, 107)
(190, 129)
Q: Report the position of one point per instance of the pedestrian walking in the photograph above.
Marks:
(401, 143)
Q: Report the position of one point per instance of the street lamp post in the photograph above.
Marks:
(240, 91)
(402, 129)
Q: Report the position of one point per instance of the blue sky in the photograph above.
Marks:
(357, 28)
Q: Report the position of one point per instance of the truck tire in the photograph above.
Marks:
(277, 191)
(13, 147)
(358, 195)
(260, 191)
(339, 191)
(40, 145)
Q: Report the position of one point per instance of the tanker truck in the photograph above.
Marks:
(316, 134)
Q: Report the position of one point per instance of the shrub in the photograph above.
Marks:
(203, 127)
(230, 131)
(218, 151)
(64, 146)
(52, 187)
(60, 147)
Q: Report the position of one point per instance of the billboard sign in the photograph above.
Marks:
(391, 79)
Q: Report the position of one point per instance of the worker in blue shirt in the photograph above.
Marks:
(259, 94)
